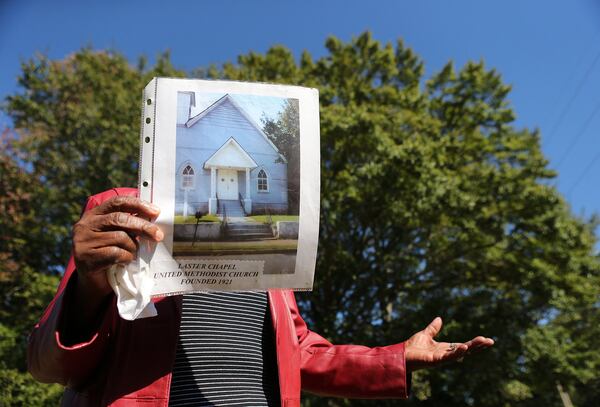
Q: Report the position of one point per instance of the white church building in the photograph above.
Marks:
(224, 156)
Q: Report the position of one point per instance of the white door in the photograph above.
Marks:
(227, 184)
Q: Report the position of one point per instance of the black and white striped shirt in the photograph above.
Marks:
(226, 352)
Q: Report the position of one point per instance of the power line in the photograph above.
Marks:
(584, 173)
(578, 136)
(565, 86)
(573, 97)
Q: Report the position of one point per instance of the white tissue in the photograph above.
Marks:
(132, 287)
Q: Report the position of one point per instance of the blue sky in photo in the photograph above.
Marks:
(255, 106)
(548, 50)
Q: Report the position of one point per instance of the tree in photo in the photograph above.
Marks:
(284, 132)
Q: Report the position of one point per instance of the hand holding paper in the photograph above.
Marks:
(105, 236)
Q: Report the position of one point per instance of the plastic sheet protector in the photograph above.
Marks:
(234, 168)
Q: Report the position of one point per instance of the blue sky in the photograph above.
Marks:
(548, 50)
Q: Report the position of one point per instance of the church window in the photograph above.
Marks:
(263, 182)
(187, 179)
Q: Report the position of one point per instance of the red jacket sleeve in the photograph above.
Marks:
(49, 360)
(349, 370)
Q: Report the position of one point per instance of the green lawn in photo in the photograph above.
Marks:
(244, 247)
(275, 218)
(181, 220)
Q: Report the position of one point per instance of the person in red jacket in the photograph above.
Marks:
(104, 360)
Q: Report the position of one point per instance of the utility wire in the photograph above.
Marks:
(575, 94)
(584, 173)
(578, 136)
(563, 90)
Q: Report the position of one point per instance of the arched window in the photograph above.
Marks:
(263, 181)
(187, 179)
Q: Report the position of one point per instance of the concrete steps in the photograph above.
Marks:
(233, 208)
(248, 231)
(238, 227)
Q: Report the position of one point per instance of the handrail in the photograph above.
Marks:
(224, 225)
(242, 203)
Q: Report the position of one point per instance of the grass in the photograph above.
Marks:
(275, 218)
(224, 247)
(180, 220)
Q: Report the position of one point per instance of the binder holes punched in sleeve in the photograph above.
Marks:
(148, 120)
(145, 183)
(147, 139)
(149, 101)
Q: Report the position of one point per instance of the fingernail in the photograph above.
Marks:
(159, 235)
(151, 206)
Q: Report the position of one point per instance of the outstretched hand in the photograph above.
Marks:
(422, 351)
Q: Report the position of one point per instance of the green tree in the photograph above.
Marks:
(78, 125)
(284, 132)
(24, 291)
(76, 133)
(433, 203)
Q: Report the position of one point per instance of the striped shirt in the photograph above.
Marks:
(226, 352)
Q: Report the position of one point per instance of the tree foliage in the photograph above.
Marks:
(76, 133)
(24, 292)
(433, 203)
(284, 132)
(78, 124)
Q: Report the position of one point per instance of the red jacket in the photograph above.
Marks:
(128, 363)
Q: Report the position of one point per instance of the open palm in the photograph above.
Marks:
(422, 351)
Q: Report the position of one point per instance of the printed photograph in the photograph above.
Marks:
(237, 189)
